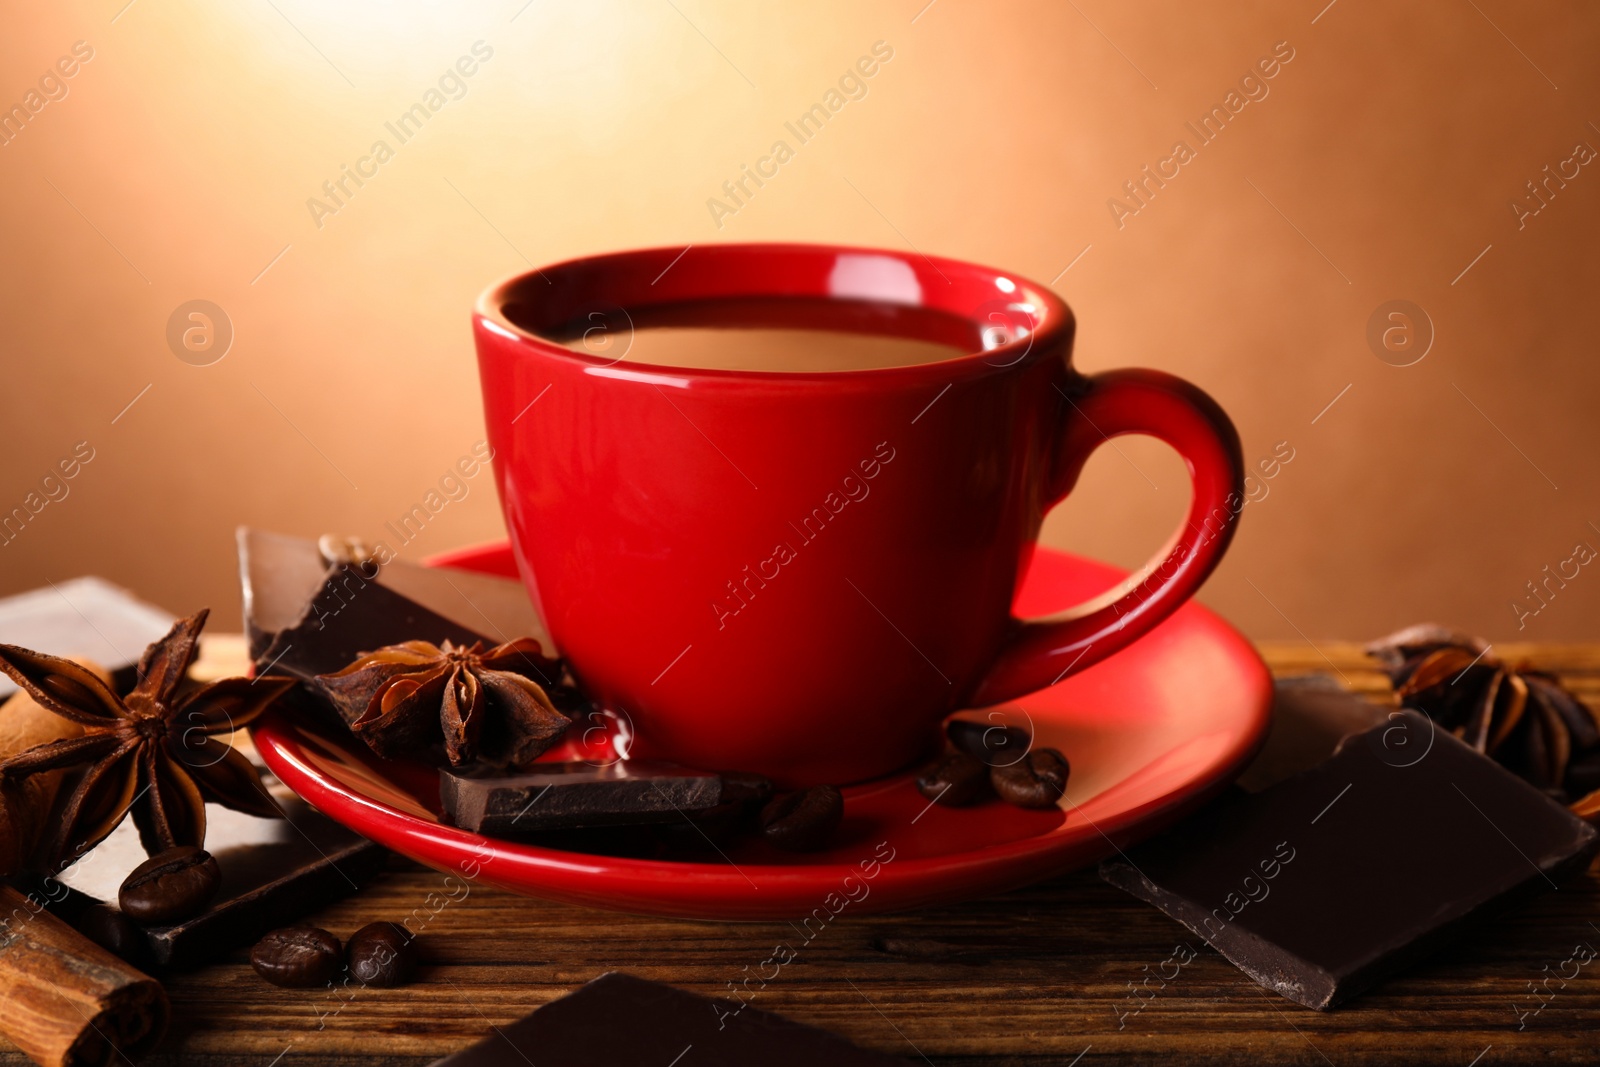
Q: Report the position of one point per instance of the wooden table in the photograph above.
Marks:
(1039, 976)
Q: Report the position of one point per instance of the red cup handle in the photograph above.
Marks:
(1040, 652)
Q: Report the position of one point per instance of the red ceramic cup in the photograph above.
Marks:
(799, 574)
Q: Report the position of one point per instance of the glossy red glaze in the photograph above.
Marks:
(1150, 733)
(796, 574)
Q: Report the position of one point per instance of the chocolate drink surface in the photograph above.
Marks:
(789, 335)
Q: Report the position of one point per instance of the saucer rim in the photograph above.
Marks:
(528, 869)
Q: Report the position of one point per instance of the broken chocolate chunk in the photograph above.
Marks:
(274, 872)
(1311, 715)
(556, 796)
(1327, 882)
(618, 1018)
(306, 615)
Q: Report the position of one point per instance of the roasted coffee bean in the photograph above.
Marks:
(993, 743)
(297, 957)
(381, 954)
(803, 821)
(1036, 781)
(955, 781)
(114, 932)
(176, 884)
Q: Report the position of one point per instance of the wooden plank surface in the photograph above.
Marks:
(1034, 977)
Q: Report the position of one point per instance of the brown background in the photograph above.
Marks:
(1382, 162)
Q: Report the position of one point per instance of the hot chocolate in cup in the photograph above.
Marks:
(774, 501)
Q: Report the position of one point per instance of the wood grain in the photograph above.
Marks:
(1033, 977)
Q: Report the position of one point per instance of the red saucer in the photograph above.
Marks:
(1150, 732)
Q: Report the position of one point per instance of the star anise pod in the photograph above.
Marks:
(1521, 717)
(153, 751)
(481, 704)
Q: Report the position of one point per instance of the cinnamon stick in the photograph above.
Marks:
(64, 1000)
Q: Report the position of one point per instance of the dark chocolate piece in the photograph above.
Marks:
(1311, 714)
(621, 1019)
(1324, 884)
(306, 616)
(315, 862)
(551, 796)
(280, 872)
(114, 932)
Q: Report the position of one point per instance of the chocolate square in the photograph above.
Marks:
(305, 616)
(549, 796)
(621, 1019)
(274, 872)
(1325, 883)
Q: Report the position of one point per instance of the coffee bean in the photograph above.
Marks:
(955, 781)
(297, 956)
(114, 932)
(176, 884)
(993, 743)
(803, 821)
(1036, 781)
(381, 954)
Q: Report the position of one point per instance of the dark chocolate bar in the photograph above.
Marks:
(620, 1019)
(1311, 715)
(307, 615)
(273, 873)
(268, 886)
(1326, 883)
(553, 796)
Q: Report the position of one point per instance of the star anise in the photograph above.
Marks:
(152, 751)
(482, 704)
(1521, 717)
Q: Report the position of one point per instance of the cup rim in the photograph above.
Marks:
(1055, 323)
